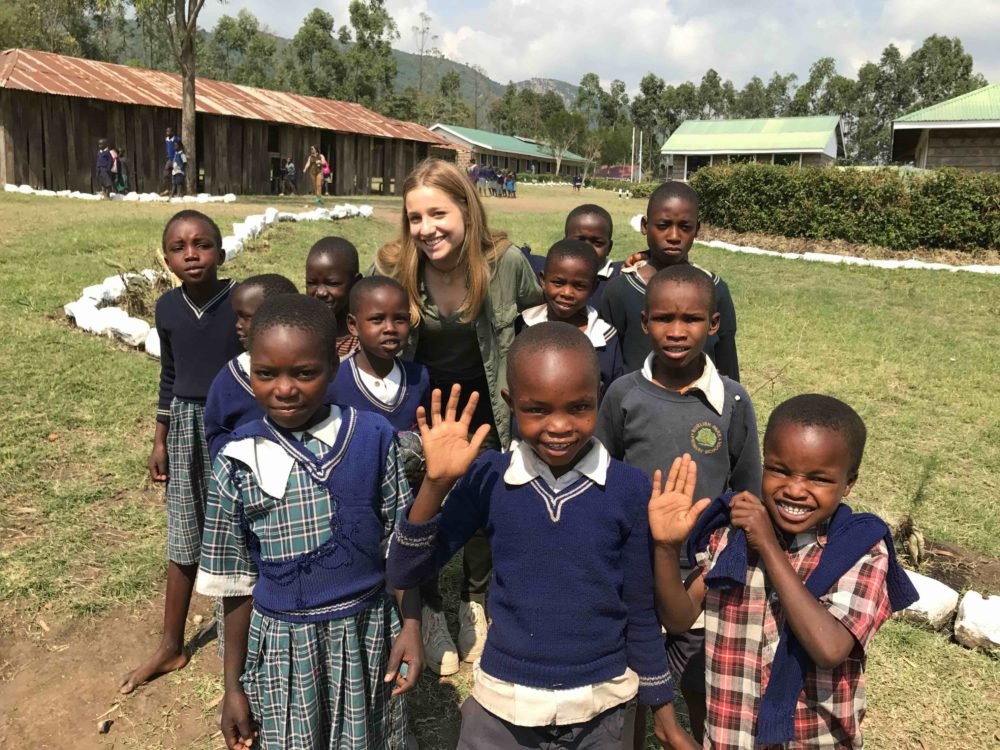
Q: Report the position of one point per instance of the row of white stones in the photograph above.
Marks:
(95, 310)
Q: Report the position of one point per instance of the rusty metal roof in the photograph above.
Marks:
(48, 73)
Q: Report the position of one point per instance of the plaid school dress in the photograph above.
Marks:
(317, 684)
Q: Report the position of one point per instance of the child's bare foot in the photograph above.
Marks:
(161, 662)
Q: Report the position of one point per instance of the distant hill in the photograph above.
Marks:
(408, 73)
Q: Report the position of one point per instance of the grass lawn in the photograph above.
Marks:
(916, 352)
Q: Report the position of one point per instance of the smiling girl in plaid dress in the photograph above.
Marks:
(301, 503)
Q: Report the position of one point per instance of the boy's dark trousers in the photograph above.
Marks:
(610, 730)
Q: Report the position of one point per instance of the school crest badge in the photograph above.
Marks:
(706, 438)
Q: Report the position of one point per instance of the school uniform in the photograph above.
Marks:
(622, 305)
(610, 270)
(396, 396)
(571, 557)
(195, 343)
(600, 333)
(296, 520)
(231, 403)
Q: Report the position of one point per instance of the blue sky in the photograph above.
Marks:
(676, 39)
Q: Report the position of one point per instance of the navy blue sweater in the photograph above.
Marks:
(572, 592)
(415, 390)
(195, 343)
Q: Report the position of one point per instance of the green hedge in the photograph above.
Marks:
(894, 208)
(639, 189)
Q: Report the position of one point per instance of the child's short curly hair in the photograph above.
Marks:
(296, 311)
(827, 412)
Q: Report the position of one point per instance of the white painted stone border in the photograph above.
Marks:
(89, 313)
(132, 197)
(849, 260)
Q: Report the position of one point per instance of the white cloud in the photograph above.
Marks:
(677, 40)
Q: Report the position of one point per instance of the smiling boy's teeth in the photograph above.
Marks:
(793, 510)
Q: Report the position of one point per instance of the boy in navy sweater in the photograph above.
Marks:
(593, 224)
(230, 401)
(678, 402)
(670, 227)
(569, 277)
(793, 585)
(574, 638)
(373, 378)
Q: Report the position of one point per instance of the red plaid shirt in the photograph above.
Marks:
(346, 346)
(742, 629)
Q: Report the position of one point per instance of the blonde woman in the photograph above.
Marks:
(467, 285)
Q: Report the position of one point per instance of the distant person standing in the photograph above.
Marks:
(170, 143)
(314, 168)
(105, 162)
(177, 170)
(288, 177)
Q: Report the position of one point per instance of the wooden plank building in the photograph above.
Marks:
(54, 108)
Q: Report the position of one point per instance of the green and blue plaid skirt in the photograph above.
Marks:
(189, 469)
(320, 686)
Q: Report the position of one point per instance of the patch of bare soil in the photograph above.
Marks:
(57, 685)
(961, 568)
(839, 247)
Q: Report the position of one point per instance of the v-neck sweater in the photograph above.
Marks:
(195, 343)
(349, 389)
(571, 597)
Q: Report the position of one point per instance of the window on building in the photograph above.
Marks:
(787, 160)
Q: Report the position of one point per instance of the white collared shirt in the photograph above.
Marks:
(384, 389)
(534, 707)
(526, 466)
(598, 330)
(709, 382)
(609, 268)
(269, 462)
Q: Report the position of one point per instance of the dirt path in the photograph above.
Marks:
(55, 685)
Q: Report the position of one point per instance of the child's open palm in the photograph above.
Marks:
(449, 449)
(672, 509)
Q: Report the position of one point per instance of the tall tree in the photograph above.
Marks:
(589, 97)
(503, 112)
(940, 69)
(318, 67)
(480, 92)
(426, 50)
(561, 131)
(239, 51)
(371, 68)
(179, 21)
(450, 107)
(711, 96)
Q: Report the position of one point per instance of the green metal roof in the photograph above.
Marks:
(981, 104)
(775, 134)
(504, 143)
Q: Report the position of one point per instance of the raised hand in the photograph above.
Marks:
(672, 509)
(449, 449)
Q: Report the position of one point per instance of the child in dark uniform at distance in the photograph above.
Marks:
(105, 163)
(574, 642)
(332, 268)
(592, 224)
(374, 378)
(677, 403)
(197, 329)
(230, 400)
(568, 280)
(670, 226)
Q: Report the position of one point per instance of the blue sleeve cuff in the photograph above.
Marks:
(655, 690)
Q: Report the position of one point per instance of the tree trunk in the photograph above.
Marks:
(558, 162)
(188, 130)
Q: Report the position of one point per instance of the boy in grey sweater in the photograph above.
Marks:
(678, 403)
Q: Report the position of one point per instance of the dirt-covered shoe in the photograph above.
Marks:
(440, 654)
(471, 631)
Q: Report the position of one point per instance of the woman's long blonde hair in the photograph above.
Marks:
(402, 260)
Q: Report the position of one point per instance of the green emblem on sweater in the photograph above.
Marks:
(706, 438)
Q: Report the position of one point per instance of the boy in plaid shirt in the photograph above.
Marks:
(793, 586)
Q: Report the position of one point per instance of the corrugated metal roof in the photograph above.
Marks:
(48, 73)
(505, 143)
(759, 135)
(981, 104)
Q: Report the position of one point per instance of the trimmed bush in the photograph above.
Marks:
(639, 189)
(894, 208)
